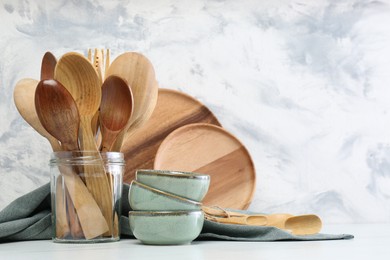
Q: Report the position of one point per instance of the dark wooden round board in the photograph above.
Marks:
(173, 110)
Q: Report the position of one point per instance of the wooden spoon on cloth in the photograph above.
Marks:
(79, 77)
(297, 225)
(58, 114)
(116, 109)
(139, 74)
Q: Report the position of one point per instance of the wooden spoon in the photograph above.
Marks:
(139, 74)
(78, 75)
(65, 207)
(24, 100)
(116, 108)
(297, 225)
(58, 113)
(49, 63)
(24, 93)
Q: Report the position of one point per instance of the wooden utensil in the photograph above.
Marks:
(303, 224)
(91, 219)
(173, 110)
(107, 63)
(297, 225)
(139, 74)
(132, 127)
(58, 113)
(210, 149)
(48, 65)
(24, 100)
(63, 206)
(221, 215)
(148, 111)
(115, 110)
(76, 230)
(24, 93)
(61, 221)
(79, 77)
(98, 61)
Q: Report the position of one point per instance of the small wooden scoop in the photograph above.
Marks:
(303, 224)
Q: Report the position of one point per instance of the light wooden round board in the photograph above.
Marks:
(173, 110)
(210, 149)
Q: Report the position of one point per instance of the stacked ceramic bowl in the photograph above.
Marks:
(167, 206)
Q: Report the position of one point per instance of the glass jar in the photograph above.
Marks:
(86, 191)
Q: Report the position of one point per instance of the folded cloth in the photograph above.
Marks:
(29, 218)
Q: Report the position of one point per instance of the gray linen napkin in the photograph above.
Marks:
(29, 218)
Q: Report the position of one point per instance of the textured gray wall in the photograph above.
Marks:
(303, 84)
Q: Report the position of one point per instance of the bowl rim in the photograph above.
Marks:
(173, 174)
(164, 193)
(154, 213)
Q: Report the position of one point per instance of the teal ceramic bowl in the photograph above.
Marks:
(143, 197)
(166, 227)
(193, 186)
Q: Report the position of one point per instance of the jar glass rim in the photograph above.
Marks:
(86, 157)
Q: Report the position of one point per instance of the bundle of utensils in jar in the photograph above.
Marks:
(88, 104)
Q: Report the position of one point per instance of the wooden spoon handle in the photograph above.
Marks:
(95, 175)
(90, 216)
(256, 220)
(98, 60)
(221, 212)
(74, 223)
(61, 220)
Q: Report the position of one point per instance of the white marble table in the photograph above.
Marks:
(372, 241)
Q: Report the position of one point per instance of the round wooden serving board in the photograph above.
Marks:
(173, 110)
(210, 149)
